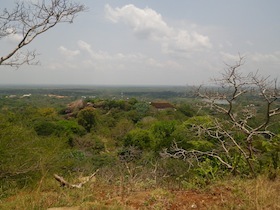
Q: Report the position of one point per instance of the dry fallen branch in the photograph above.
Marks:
(64, 183)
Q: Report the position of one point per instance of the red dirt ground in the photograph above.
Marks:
(171, 199)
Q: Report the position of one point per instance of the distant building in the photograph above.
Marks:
(56, 96)
(162, 105)
(26, 95)
(11, 96)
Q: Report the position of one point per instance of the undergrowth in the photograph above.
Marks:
(229, 193)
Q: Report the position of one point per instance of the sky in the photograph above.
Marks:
(182, 42)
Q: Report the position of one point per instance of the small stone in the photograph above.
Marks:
(193, 206)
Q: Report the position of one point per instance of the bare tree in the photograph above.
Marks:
(29, 20)
(239, 122)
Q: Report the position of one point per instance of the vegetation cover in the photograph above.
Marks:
(216, 147)
(205, 151)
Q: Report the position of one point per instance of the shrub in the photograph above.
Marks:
(87, 118)
(47, 128)
(138, 138)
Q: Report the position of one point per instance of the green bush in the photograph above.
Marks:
(162, 134)
(87, 118)
(71, 127)
(186, 109)
(89, 143)
(47, 128)
(190, 134)
(138, 138)
(103, 160)
(25, 157)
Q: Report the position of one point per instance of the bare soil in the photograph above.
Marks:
(216, 198)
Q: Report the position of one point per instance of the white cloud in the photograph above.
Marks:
(13, 37)
(228, 58)
(265, 63)
(90, 59)
(84, 46)
(255, 58)
(148, 24)
(250, 43)
(68, 53)
(273, 57)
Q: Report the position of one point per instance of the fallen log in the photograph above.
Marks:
(64, 183)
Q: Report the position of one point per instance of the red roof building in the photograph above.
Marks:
(162, 105)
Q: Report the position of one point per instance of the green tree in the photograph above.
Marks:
(138, 138)
(122, 127)
(162, 134)
(138, 111)
(191, 135)
(186, 109)
(87, 118)
(47, 128)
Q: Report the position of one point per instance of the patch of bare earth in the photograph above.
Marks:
(172, 199)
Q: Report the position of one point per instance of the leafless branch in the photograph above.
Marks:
(189, 156)
(224, 99)
(29, 20)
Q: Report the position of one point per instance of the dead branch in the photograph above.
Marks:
(29, 20)
(241, 118)
(64, 183)
(189, 155)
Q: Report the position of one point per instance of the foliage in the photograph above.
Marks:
(58, 128)
(138, 111)
(87, 118)
(162, 134)
(186, 109)
(71, 127)
(138, 138)
(89, 143)
(237, 128)
(190, 135)
(46, 128)
(122, 127)
(126, 140)
(25, 157)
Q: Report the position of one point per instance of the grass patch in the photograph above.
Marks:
(233, 193)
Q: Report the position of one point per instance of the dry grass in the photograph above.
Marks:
(253, 194)
(257, 194)
(261, 193)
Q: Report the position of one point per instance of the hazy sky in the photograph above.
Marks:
(155, 42)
